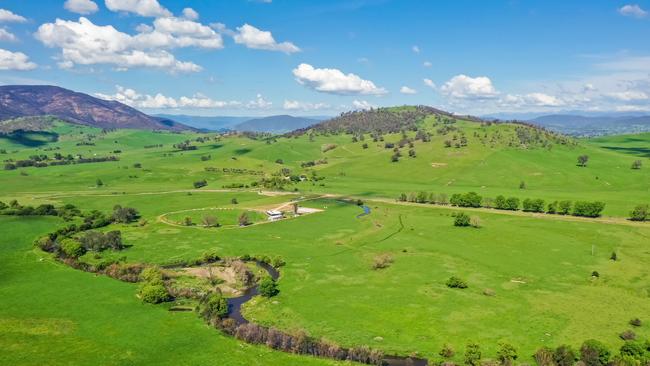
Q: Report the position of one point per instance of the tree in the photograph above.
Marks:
(365, 145)
(522, 185)
(564, 207)
(475, 221)
(472, 354)
(99, 182)
(552, 208)
(636, 164)
(500, 202)
(512, 203)
(210, 221)
(640, 213)
(613, 257)
(200, 183)
(213, 305)
(268, 287)
(125, 215)
(187, 221)
(533, 205)
(564, 356)
(462, 219)
(582, 160)
(234, 201)
(243, 219)
(421, 197)
(544, 357)
(594, 353)
(506, 353)
(588, 209)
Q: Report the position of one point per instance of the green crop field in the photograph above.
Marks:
(533, 279)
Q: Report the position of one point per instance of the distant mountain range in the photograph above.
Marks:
(43, 100)
(274, 124)
(579, 125)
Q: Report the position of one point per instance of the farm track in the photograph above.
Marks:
(603, 220)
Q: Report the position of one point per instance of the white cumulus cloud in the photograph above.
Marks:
(427, 64)
(85, 43)
(334, 81)
(466, 87)
(81, 6)
(361, 104)
(159, 101)
(145, 8)
(629, 95)
(632, 10)
(429, 83)
(191, 14)
(407, 90)
(531, 100)
(5, 35)
(8, 16)
(252, 37)
(15, 61)
(304, 106)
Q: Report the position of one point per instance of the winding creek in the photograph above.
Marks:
(235, 304)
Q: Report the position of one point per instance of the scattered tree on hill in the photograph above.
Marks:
(564, 207)
(627, 335)
(636, 164)
(512, 204)
(154, 293)
(213, 305)
(475, 222)
(200, 183)
(533, 205)
(613, 257)
(210, 221)
(124, 215)
(552, 207)
(382, 261)
(582, 160)
(395, 157)
(99, 182)
(411, 153)
(636, 322)
(72, 248)
(564, 355)
(244, 220)
(98, 241)
(472, 354)
(522, 185)
(268, 287)
(640, 213)
(187, 221)
(234, 201)
(470, 199)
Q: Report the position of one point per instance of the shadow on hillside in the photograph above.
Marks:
(31, 138)
(638, 151)
(242, 151)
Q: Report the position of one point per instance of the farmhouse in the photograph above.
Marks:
(275, 215)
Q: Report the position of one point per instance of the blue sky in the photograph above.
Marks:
(245, 57)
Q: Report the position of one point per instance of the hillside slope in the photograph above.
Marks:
(39, 100)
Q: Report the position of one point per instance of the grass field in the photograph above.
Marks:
(537, 271)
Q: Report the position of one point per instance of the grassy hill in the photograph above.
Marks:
(529, 275)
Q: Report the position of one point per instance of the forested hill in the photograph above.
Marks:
(44, 100)
(380, 120)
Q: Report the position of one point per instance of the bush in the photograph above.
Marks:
(456, 282)
(382, 261)
(151, 275)
(636, 322)
(633, 349)
(475, 221)
(640, 213)
(268, 287)
(72, 248)
(533, 205)
(125, 215)
(472, 354)
(594, 353)
(200, 183)
(588, 209)
(97, 241)
(564, 356)
(471, 199)
(447, 351)
(506, 353)
(564, 207)
(628, 335)
(544, 357)
(154, 293)
(213, 306)
(462, 219)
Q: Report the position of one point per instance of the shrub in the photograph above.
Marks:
(506, 353)
(552, 208)
(472, 354)
(636, 322)
(594, 353)
(640, 213)
(210, 221)
(234, 201)
(268, 287)
(97, 241)
(582, 160)
(613, 257)
(462, 219)
(595, 274)
(475, 221)
(213, 306)
(627, 335)
(588, 209)
(633, 349)
(243, 219)
(200, 183)
(125, 215)
(456, 282)
(564, 356)
(154, 293)
(636, 164)
(447, 351)
(533, 205)
(564, 207)
(72, 248)
(544, 357)
(151, 275)
(512, 203)
(382, 261)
